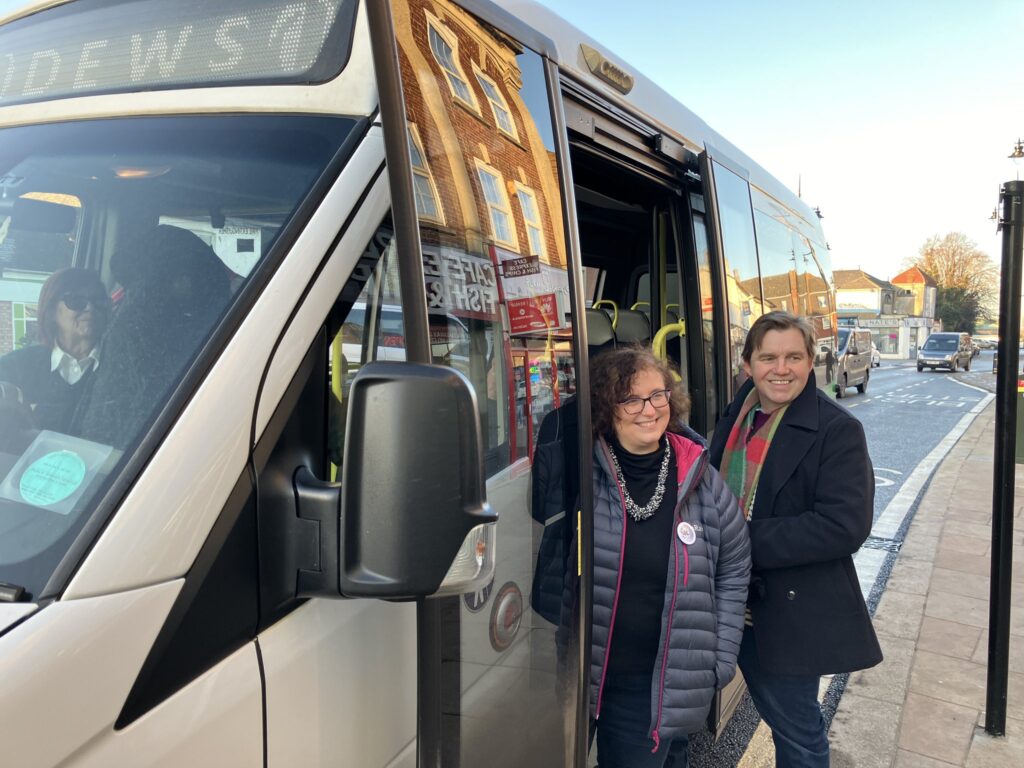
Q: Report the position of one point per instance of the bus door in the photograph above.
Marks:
(499, 668)
(636, 239)
(640, 207)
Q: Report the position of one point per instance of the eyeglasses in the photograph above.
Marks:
(77, 302)
(634, 405)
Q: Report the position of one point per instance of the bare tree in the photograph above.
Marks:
(967, 277)
(955, 261)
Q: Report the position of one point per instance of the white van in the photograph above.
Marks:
(853, 363)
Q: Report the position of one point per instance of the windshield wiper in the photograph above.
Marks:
(11, 593)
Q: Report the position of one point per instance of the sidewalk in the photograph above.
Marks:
(923, 707)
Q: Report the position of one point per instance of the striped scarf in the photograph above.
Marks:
(745, 453)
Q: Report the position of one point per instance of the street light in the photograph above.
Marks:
(1017, 156)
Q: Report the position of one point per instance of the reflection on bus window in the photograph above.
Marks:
(497, 292)
(743, 287)
(365, 325)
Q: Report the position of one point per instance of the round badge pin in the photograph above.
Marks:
(686, 533)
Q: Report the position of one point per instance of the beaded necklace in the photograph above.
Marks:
(635, 511)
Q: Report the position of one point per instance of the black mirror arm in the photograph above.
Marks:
(318, 508)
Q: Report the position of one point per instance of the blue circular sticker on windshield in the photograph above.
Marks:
(52, 478)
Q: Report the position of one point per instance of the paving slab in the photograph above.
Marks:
(998, 751)
(888, 681)
(958, 681)
(950, 638)
(959, 583)
(936, 729)
(868, 739)
(920, 547)
(958, 608)
(899, 614)
(1016, 651)
(906, 759)
(911, 576)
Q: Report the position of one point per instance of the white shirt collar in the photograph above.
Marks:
(71, 370)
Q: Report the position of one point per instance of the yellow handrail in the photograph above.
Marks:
(615, 310)
(660, 342)
(638, 304)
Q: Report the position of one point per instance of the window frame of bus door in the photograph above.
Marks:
(584, 518)
(394, 125)
(394, 120)
(719, 310)
(687, 273)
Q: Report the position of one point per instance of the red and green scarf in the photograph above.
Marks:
(745, 453)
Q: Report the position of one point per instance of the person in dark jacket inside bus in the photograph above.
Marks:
(798, 462)
(72, 315)
(671, 567)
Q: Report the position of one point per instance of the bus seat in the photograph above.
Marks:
(610, 308)
(175, 288)
(600, 335)
(633, 328)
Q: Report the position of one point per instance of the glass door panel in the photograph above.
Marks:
(492, 235)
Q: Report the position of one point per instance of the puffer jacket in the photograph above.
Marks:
(705, 592)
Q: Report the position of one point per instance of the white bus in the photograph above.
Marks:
(338, 266)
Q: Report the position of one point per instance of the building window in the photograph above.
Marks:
(428, 202)
(531, 217)
(499, 107)
(24, 316)
(502, 229)
(445, 47)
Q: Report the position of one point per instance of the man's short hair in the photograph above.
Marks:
(777, 321)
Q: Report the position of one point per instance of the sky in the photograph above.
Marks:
(895, 118)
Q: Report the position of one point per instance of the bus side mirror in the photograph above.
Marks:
(412, 486)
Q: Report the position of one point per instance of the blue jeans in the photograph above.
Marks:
(789, 706)
(623, 730)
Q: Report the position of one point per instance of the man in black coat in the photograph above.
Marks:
(798, 463)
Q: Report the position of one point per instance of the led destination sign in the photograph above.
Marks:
(97, 46)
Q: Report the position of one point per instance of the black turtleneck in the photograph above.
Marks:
(637, 630)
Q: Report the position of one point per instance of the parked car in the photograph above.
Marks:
(946, 350)
(876, 359)
(854, 360)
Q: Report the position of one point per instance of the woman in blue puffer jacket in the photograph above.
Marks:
(671, 567)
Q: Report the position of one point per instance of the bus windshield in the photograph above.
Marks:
(123, 243)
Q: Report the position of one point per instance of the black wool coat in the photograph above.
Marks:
(812, 511)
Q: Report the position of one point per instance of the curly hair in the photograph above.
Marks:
(611, 376)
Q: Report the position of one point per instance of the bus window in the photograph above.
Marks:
(365, 325)
(742, 280)
(497, 289)
(791, 275)
(164, 220)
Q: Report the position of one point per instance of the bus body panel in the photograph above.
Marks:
(197, 466)
(341, 681)
(72, 665)
(216, 719)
